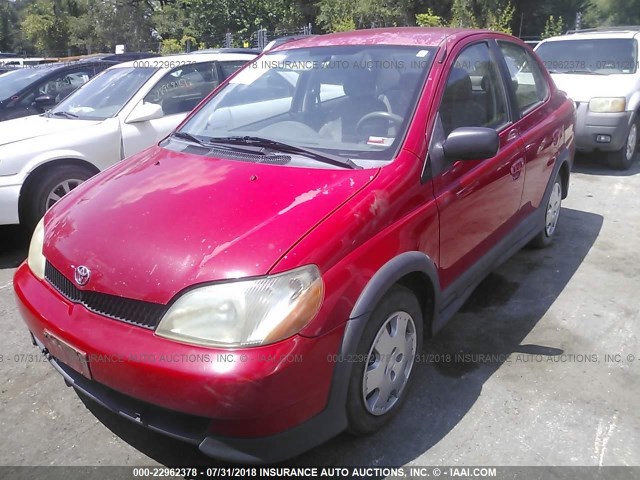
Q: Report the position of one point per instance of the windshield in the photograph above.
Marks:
(351, 101)
(602, 56)
(105, 95)
(14, 81)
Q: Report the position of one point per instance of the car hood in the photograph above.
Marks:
(34, 126)
(162, 221)
(582, 88)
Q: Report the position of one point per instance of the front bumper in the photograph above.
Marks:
(589, 125)
(264, 404)
(9, 197)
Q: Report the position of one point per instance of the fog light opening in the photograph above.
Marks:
(603, 138)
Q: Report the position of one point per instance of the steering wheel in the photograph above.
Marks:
(392, 117)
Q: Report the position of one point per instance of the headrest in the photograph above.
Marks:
(459, 86)
(359, 83)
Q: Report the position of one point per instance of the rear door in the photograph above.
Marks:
(537, 122)
(478, 200)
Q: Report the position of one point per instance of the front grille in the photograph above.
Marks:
(135, 312)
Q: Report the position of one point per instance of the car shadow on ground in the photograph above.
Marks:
(596, 164)
(14, 246)
(494, 321)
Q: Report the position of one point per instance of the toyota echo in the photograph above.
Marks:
(263, 278)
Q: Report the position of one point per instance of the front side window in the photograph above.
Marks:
(181, 89)
(351, 101)
(527, 78)
(60, 86)
(14, 81)
(105, 95)
(474, 95)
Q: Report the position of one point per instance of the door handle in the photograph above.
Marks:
(516, 168)
(512, 135)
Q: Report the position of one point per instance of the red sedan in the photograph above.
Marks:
(263, 278)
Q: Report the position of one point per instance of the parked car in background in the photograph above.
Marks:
(122, 111)
(33, 90)
(121, 57)
(6, 69)
(266, 273)
(16, 61)
(598, 69)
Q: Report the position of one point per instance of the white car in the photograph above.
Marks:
(598, 69)
(120, 112)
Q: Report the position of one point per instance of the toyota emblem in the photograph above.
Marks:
(82, 275)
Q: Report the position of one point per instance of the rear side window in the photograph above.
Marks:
(527, 78)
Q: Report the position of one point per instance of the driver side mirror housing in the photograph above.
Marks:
(44, 101)
(144, 112)
(471, 143)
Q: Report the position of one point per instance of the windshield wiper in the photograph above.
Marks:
(189, 137)
(64, 114)
(287, 148)
(211, 143)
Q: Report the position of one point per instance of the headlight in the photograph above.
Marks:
(607, 105)
(247, 312)
(36, 259)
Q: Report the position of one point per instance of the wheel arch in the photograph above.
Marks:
(414, 270)
(42, 169)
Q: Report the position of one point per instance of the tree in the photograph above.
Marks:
(46, 28)
(462, 14)
(501, 20)
(8, 18)
(429, 19)
(552, 27)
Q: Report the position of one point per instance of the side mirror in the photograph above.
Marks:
(144, 112)
(44, 101)
(471, 143)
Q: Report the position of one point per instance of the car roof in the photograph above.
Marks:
(229, 50)
(172, 61)
(592, 34)
(381, 36)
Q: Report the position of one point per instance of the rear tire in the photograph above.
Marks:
(51, 185)
(623, 158)
(391, 340)
(545, 237)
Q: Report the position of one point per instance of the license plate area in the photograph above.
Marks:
(68, 354)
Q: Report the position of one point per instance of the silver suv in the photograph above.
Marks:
(598, 69)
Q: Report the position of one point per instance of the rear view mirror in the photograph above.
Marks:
(144, 112)
(471, 143)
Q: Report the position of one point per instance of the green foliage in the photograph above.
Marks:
(171, 46)
(8, 18)
(429, 19)
(45, 27)
(55, 27)
(501, 20)
(462, 15)
(553, 27)
(336, 15)
(344, 25)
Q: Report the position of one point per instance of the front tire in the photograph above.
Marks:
(384, 361)
(49, 187)
(623, 158)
